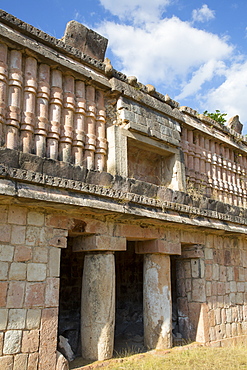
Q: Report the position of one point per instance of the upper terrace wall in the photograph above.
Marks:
(215, 160)
(60, 104)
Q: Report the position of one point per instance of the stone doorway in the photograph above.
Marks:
(129, 301)
(69, 317)
(176, 335)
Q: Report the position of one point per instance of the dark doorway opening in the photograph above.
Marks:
(179, 320)
(70, 297)
(129, 301)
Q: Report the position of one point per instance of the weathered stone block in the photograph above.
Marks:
(198, 290)
(20, 361)
(33, 235)
(85, 39)
(52, 292)
(208, 289)
(17, 215)
(4, 214)
(216, 272)
(33, 359)
(208, 253)
(221, 289)
(48, 339)
(15, 294)
(36, 272)
(40, 254)
(227, 285)
(18, 235)
(228, 330)
(31, 162)
(208, 272)
(158, 246)
(12, 342)
(211, 318)
(239, 298)
(35, 295)
(22, 254)
(234, 329)
(6, 252)
(229, 273)
(33, 318)
(240, 286)
(233, 286)
(6, 362)
(30, 341)
(195, 268)
(35, 218)
(232, 297)
(4, 267)
(98, 242)
(17, 318)
(57, 221)
(241, 275)
(3, 318)
(18, 271)
(187, 269)
(3, 293)
(58, 241)
(54, 262)
(187, 285)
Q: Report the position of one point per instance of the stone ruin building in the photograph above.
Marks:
(123, 215)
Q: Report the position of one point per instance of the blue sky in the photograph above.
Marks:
(195, 51)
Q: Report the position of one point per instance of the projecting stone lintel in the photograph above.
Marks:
(92, 243)
(192, 251)
(157, 246)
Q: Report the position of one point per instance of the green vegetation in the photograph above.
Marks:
(198, 358)
(179, 358)
(217, 116)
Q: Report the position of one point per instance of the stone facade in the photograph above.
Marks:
(94, 166)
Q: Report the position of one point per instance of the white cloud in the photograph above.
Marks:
(205, 73)
(230, 96)
(164, 52)
(176, 56)
(202, 15)
(138, 11)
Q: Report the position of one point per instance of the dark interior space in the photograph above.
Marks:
(70, 296)
(129, 301)
(177, 337)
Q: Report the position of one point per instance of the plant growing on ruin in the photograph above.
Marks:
(217, 116)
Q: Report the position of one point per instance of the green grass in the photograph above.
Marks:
(202, 358)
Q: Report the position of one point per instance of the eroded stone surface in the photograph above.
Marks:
(157, 301)
(98, 306)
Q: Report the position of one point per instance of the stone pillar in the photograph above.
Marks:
(98, 306)
(157, 305)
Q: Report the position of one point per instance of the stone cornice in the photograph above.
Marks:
(48, 40)
(122, 197)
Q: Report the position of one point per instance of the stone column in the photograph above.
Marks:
(157, 305)
(98, 306)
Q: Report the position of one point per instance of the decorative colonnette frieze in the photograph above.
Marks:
(121, 196)
(214, 168)
(50, 113)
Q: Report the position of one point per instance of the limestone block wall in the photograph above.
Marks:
(30, 242)
(226, 288)
(50, 113)
(147, 120)
(212, 290)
